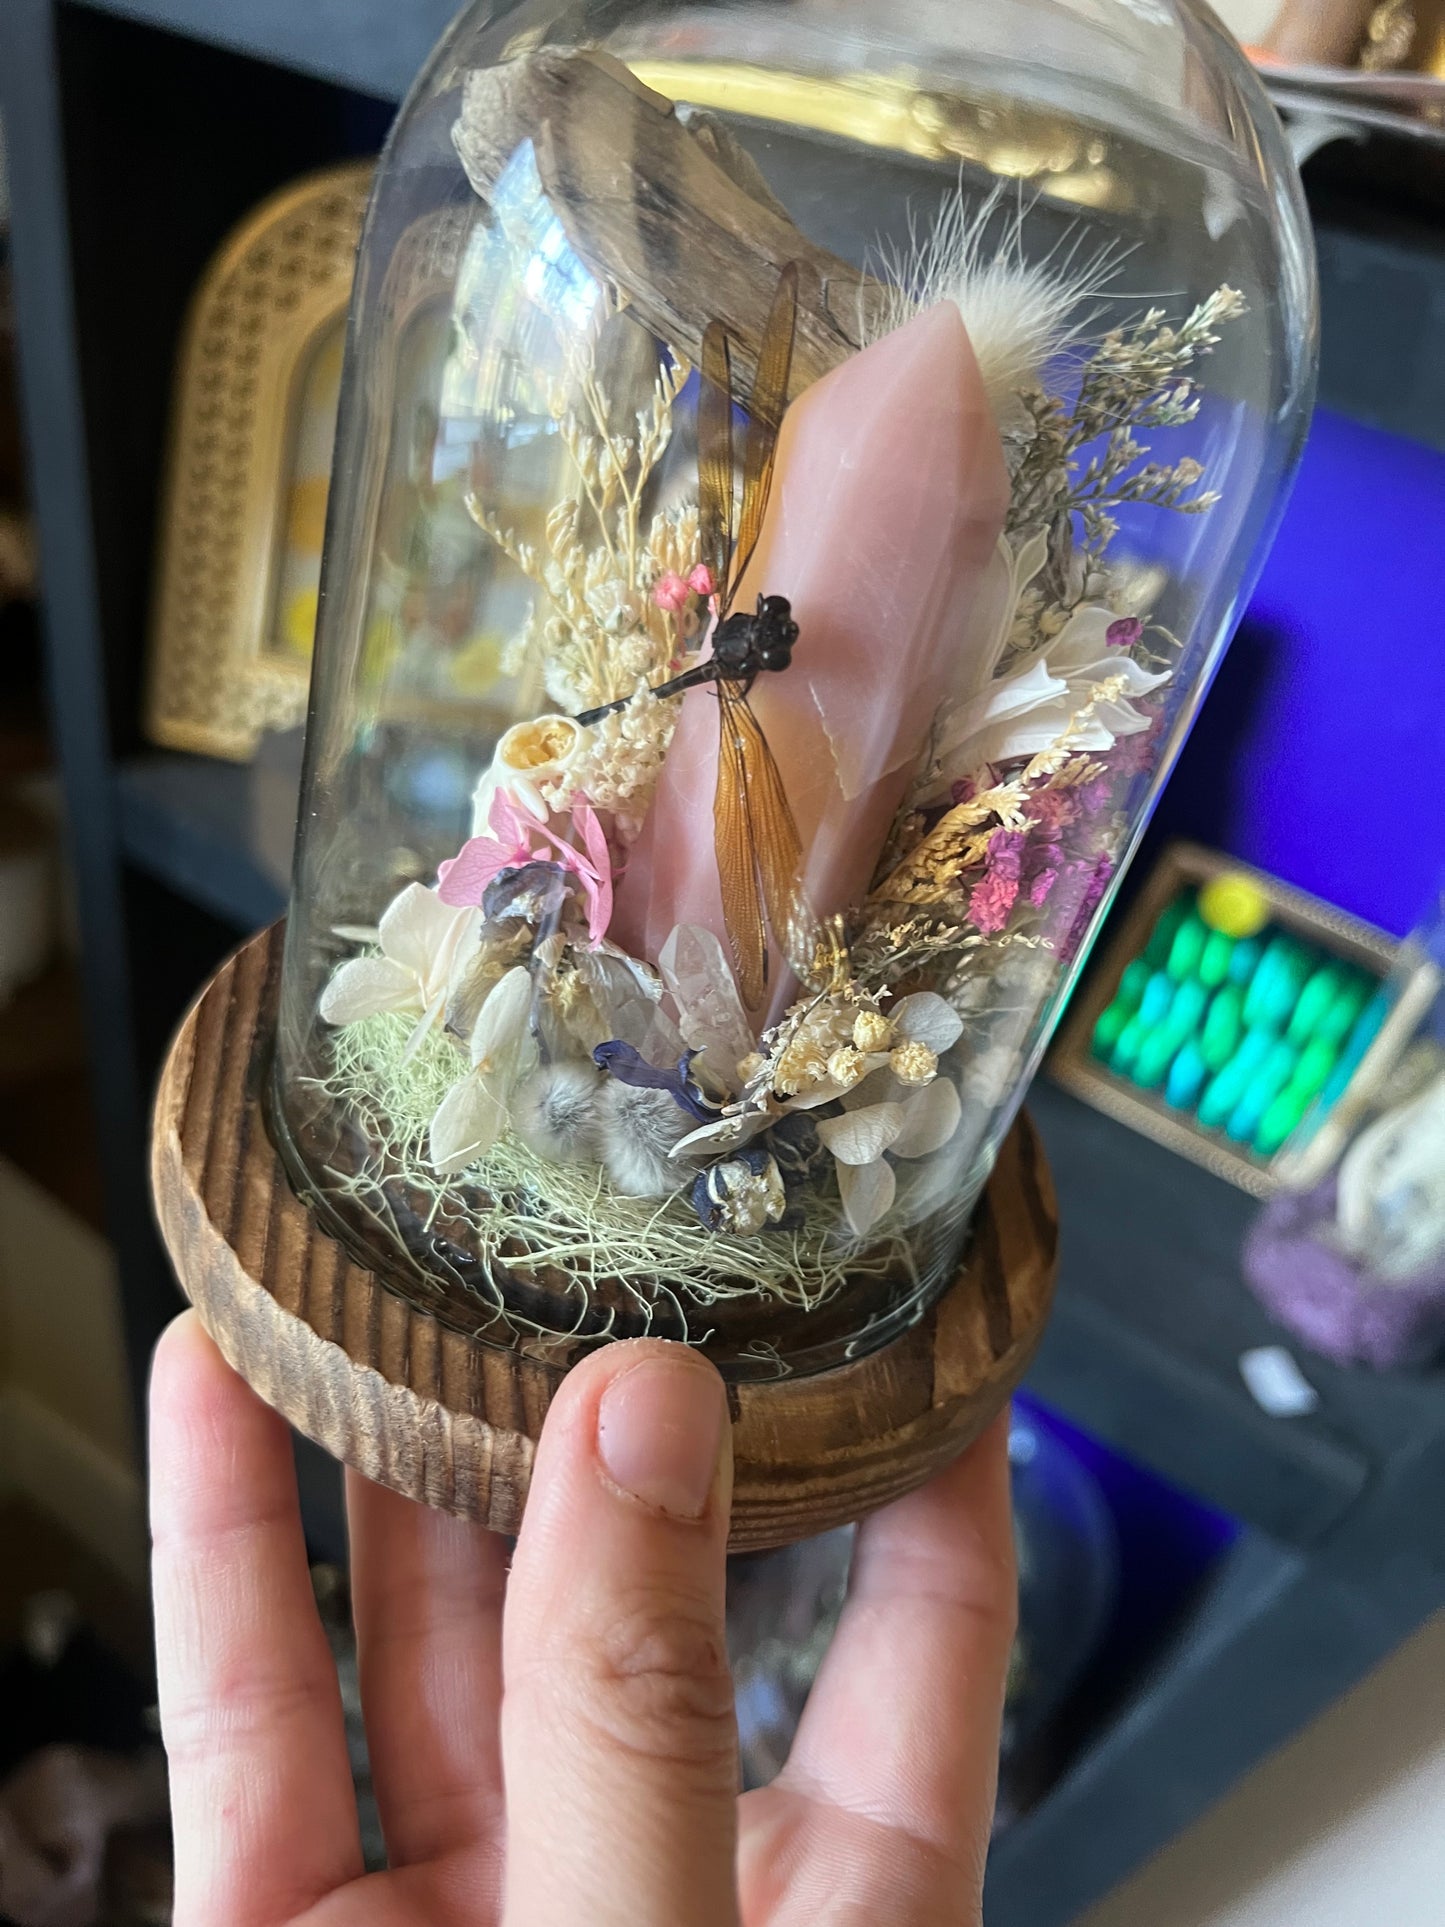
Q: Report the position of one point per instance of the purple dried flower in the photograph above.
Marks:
(1097, 883)
(629, 1066)
(1006, 854)
(1124, 633)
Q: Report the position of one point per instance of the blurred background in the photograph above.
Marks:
(1228, 1701)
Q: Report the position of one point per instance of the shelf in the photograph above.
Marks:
(42, 1028)
(1152, 1315)
(374, 46)
(1271, 1642)
(189, 822)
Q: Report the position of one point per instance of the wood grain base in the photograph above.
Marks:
(452, 1420)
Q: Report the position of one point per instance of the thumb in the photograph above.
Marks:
(619, 1742)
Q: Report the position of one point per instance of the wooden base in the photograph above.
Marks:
(452, 1420)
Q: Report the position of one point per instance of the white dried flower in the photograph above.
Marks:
(847, 1066)
(420, 939)
(474, 1113)
(913, 1063)
(872, 1031)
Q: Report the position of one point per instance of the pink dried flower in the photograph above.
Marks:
(700, 581)
(1054, 810)
(671, 593)
(1041, 884)
(512, 839)
(991, 903)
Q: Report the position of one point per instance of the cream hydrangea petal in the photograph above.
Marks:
(826, 1091)
(1084, 641)
(1042, 728)
(929, 1120)
(858, 1137)
(425, 1025)
(468, 1122)
(867, 1191)
(879, 1087)
(927, 1018)
(1120, 719)
(502, 1044)
(367, 985)
(1029, 560)
(724, 1134)
(415, 927)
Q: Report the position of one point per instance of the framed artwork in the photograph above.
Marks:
(253, 423)
(1227, 1016)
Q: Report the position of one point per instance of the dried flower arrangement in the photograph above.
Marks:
(605, 1116)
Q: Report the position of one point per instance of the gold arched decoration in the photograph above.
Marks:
(280, 282)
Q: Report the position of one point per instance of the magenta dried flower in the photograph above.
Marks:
(1006, 854)
(1124, 633)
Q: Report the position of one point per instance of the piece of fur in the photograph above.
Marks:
(639, 1129)
(555, 1112)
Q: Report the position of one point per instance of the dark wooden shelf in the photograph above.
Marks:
(187, 821)
(1152, 1316)
(373, 46)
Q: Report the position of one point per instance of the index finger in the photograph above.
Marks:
(264, 1814)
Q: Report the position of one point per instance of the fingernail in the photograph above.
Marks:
(660, 1431)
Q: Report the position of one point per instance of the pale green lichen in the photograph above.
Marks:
(566, 1218)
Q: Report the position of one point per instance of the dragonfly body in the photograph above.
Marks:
(759, 858)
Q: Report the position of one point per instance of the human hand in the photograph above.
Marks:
(557, 1748)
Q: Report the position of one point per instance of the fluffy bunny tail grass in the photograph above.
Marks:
(1020, 314)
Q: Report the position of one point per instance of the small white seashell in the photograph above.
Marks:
(530, 758)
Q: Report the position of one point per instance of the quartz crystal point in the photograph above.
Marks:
(888, 499)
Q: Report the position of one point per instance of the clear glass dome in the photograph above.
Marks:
(799, 464)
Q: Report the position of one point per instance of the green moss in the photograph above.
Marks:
(568, 1219)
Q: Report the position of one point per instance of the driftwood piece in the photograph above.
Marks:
(676, 215)
(720, 144)
(442, 1416)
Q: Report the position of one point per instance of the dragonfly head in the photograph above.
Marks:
(776, 631)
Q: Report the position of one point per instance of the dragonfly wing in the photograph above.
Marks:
(774, 846)
(735, 841)
(715, 456)
(765, 414)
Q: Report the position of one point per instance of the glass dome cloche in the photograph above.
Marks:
(800, 462)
